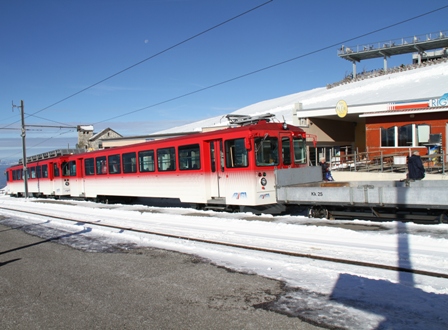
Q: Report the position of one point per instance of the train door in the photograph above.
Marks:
(77, 173)
(216, 167)
(55, 178)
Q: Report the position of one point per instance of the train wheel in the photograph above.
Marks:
(197, 206)
(443, 218)
(318, 212)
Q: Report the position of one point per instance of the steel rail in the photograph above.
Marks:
(246, 247)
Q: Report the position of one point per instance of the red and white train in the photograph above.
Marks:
(231, 168)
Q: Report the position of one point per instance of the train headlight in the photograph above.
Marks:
(263, 182)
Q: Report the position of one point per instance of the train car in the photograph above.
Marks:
(225, 169)
(231, 168)
(46, 175)
(422, 201)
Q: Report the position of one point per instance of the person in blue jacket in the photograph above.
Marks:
(326, 172)
(416, 171)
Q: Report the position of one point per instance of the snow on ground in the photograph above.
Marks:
(329, 294)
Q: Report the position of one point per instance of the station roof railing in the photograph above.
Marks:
(420, 44)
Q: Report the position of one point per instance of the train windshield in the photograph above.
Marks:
(266, 151)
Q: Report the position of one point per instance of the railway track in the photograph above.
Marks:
(97, 224)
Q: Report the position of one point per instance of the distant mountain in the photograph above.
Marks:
(2, 175)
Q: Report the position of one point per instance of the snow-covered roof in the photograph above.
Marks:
(425, 82)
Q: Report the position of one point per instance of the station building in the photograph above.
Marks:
(394, 126)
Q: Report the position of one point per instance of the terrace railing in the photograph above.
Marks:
(380, 162)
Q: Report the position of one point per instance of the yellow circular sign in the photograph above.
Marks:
(341, 108)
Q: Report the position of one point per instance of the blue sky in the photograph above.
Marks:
(51, 50)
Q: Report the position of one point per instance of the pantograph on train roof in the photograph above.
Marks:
(243, 120)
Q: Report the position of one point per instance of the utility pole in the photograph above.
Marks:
(23, 134)
(25, 171)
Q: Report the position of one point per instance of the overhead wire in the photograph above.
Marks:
(272, 66)
(231, 79)
(155, 55)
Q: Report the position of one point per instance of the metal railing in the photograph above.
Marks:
(380, 162)
(412, 40)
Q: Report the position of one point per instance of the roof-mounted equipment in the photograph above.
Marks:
(243, 120)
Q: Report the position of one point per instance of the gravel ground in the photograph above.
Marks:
(46, 285)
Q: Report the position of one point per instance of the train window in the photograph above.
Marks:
(129, 162)
(286, 150)
(56, 170)
(38, 172)
(72, 166)
(266, 151)
(146, 161)
(89, 166)
(236, 153)
(299, 144)
(101, 165)
(17, 174)
(114, 164)
(65, 168)
(212, 156)
(45, 171)
(32, 172)
(189, 158)
(166, 159)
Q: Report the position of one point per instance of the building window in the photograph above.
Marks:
(303, 122)
(423, 134)
(388, 137)
(405, 136)
(411, 135)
